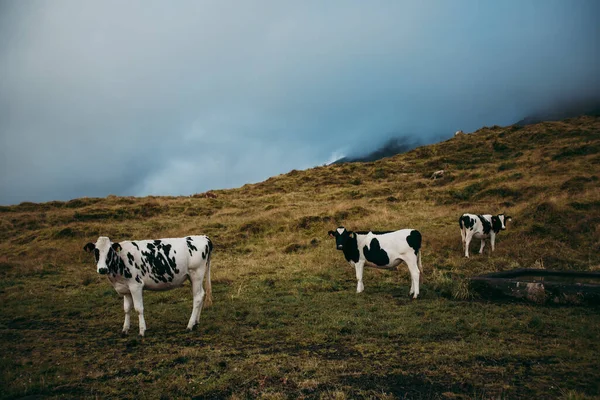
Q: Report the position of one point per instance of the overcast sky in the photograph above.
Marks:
(175, 98)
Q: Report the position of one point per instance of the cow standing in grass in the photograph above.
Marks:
(385, 250)
(162, 264)
(481, 227)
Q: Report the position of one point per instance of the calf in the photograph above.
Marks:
(163, 264)
(458, 133)
(384, 250)
(481, 227)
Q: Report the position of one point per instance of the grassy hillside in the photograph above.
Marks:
(287, 322)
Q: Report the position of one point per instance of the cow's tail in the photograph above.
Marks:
(207, 284)
(419, 264)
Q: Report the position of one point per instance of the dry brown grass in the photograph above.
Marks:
(280, 285)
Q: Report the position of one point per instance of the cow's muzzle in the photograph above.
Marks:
(103, 271)
(340, 247)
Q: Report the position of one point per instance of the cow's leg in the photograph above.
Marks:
(198, 292)
(359, 276)
(127, 306)
(468, 238)
(138, 304)
(482, 246)
(411, 260)
(493, 240)
(412, 281)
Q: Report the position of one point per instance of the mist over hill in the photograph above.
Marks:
(401, 144)
(564, 109)
(393, 146)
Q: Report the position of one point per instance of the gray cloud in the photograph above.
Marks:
(142, 98)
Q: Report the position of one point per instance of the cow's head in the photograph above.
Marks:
(342, 237)
(106, 253)
(499, 222)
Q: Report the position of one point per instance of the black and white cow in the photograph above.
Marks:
(384, 250)
(163, 264)
(481, 227)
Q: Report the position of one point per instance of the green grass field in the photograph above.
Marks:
(286, 321)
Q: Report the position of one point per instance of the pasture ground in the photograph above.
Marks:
(286, 322)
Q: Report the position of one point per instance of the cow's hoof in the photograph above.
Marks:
(124, 333)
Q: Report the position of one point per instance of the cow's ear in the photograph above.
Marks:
(331, 233)
(509, 218)
(89, 247)
(116, 247)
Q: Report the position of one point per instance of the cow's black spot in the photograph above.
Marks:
(414, 240)
(376, 254)
(205, 252)
(210, 245)
(144, 267)
(487, 226)
(137, 279)
(130, 258)
(135, 244)
(347, 241)
(160, 265)
(190, 245)
(112, 261)
(126, 271)
(97, 254)
(496, 224)
(116, 265)
(466, 221)
(350, 249)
